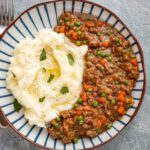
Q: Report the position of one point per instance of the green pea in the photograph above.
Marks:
(130, 105)
(75, 105)
(112, 65)
(75, 140)
(133, 56)
(71, 24)
(120, 58)
(67, 19)
(103, 95)
(58, 119)
(90, 90)
(113, 101)
(80, 118)
(84, 42)
(79, 100)
(81, 122)
(91, 56)
(98, 33)
(60, 22)
(116, 82)
(120, 74)
(98, 130)
(109, 125)
(95, 103)
(106, 54)
(79, 32)
(78, 23)
(99, 53)
(78, 43)
(76, 29)
(109, 58)
(56, 125)
(126, 82)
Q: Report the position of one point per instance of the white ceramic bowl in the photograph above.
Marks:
(45, 15)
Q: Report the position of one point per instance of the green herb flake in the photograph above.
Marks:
(14, 75)
(43, 55)
(51, 77)
(44, 69)
(41, 99)
(64, 90)
(17, 106)
(70, 59)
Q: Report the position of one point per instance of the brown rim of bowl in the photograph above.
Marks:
(141, 55)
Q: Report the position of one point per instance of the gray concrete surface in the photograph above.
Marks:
(136, 14)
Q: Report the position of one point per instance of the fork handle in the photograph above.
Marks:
(3, 122)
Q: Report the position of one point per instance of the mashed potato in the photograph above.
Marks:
(38, 84)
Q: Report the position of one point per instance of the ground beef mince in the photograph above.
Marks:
(109, 77)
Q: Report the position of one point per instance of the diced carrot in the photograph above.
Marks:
(84, 97)
(134, 61)
(86, 86)
(103, 119)
(101, 23)
(103, 62)
(56, 29)
(121, 110)
(132, 101)
(82, 93)
(71, 122)
(78, 112)
(88, 24)
(102, 99)
(87, 108)
(74, 35)
(121, 96)
(98, 124)
(105, 44)
(62, 29)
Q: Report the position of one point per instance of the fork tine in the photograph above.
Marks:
(6, 12)
(10, 12)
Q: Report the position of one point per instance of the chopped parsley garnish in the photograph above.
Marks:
(44, 69)
(43, 55)
(51, 77)
(70, 59)
(41, 99)
(13, 74)
(64, 90)
(17, 106)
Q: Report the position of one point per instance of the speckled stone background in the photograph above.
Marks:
(136, 136)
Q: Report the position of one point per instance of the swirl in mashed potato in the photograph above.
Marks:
(38, 84)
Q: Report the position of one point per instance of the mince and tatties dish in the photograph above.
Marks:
(75, 80)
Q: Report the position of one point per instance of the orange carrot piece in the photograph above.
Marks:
(98, 124)
(84, 97)
(62, 29)
(86, 86)
(74, 35)
(103, 119)
(103, 62)
(101, 23)
(87, 108)
(121, 96)
(88, 24)
(134, 61)
(102, 99)
(121, 110)
(105, 44)
(78, 112)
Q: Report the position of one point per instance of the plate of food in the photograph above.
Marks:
(72, 75)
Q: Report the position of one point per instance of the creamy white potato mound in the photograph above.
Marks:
(31, 81)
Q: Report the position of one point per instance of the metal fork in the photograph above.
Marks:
(6, 16)
(6, 13)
